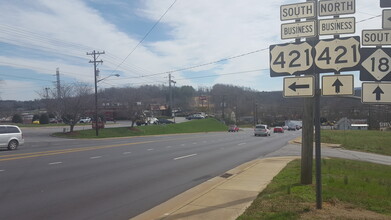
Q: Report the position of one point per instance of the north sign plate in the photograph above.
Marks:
(376, 93)
(337, 85)
(297, 11)
(376, 37)
(336, 7)
(337, 26)
(299, 86)
(298, 30)
(341, 54)
(375, 64)
(289, 59)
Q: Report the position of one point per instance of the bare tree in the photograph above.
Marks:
(75, 99)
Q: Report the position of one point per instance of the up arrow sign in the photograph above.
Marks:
(378, 92)
(337, 84)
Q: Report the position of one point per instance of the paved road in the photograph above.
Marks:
(118, 178)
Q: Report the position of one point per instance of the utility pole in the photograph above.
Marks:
(223, 105)
(58, 83)
(95, 55)
(47, 92)
(170, 89)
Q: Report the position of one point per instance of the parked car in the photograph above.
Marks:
(36, 122)
(10, 137)
(195, 116)
(164, 121)
(85, 120)
(278, 130)
(261, 130)
(233, 128)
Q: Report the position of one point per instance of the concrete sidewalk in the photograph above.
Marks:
(224, 197)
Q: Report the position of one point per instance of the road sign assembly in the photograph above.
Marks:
(376, 93)
(376, 37)
(375, 64)
(336, 7)
(337, 85)
(297, 11)
(340, 54)
(299, 86)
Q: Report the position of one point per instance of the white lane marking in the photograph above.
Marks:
(241, 144)
(195, 143)
(169, 147)
(183, 145)
(97, 157)
(191, 155)
(150, 149)
(55, 163)
(126, 152)
(2, 170)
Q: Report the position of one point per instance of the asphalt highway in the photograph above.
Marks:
(118, 178)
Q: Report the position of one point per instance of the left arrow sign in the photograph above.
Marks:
(294, 86)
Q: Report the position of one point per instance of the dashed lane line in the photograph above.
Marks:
(183, 157)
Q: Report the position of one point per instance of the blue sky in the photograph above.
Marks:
(38, 36)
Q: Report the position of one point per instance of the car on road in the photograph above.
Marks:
(85, 120)
(292, 128)
(261, 130)
(195, 116)
(278, 130)
(164, 121)
(233, 128)
(10, 137)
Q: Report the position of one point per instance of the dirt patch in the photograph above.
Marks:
(342, 211)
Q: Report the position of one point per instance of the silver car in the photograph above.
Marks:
(10, 137)
(261, 130)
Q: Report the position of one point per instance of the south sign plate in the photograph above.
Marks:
(298, 30)
(341, 54)
(290, 59)
(337, 7)
(297, 11)
(376, 93)
(375, 64)
(299, 86)
(337, 85)
(376, 37)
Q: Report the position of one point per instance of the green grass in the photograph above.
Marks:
(204, 125)
(367, 141)
(360, 185)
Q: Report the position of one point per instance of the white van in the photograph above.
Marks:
(10, 137)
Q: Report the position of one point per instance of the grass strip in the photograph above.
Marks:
(367, 141)
(364, 189)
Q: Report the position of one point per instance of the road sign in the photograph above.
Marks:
(289, 59)
(376, 37)
(386, 19)
(298, 30)
(335, 85)
(375, 64)
(375, 92)
(341, 54)
(337, 26)
(299, 86)
(297, 11)
(336, 7)
(385, 3)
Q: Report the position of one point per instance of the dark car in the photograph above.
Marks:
(278, 130)
(233, 128)
(164, 121)
(292, 128)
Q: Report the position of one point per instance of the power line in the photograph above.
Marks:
(146, 35)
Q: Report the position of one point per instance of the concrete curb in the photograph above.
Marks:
(222, 197)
